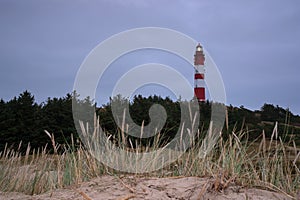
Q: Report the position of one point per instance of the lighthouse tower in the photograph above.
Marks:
(199, 88)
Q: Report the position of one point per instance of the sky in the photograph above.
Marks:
(255, 45)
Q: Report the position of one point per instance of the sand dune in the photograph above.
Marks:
(132, 187)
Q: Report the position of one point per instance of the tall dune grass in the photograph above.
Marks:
(266, 163)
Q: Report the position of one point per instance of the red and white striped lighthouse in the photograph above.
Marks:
(199, 88)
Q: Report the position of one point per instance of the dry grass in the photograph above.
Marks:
(270, 164)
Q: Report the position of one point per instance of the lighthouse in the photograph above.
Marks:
(199, 59)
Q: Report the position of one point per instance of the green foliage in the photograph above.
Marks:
(18, 120)
(22, 119)
(56, 117)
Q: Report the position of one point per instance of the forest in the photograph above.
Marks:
(23, 120)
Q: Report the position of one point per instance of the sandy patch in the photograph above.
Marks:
(135, 188)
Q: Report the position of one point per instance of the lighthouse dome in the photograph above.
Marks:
(199, 48)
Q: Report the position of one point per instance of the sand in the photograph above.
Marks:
(132, 187)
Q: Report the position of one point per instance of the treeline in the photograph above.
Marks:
(22, 119)
(265, 119)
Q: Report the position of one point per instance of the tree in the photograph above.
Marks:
(19, 121)
(57, 118)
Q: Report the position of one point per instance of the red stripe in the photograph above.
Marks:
(200, 93)
(199, 76)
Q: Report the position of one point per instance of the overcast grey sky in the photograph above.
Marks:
(255, 44)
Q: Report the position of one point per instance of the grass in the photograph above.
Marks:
(266, 163)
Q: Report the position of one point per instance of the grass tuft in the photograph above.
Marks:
(266, 163)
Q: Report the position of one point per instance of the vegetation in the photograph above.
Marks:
(269, 164)
(257, 148)
(22, 119)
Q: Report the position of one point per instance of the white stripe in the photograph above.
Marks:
(200, 69)
(199, 83)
